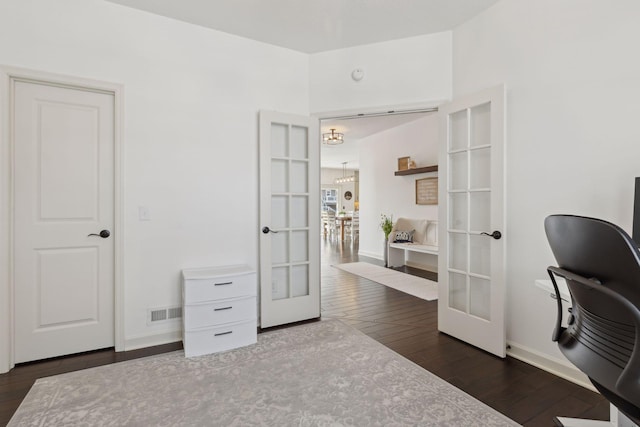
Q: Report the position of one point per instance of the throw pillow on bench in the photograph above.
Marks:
(404, 236)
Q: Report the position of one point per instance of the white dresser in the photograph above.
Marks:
(219, 309)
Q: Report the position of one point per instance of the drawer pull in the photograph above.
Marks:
(223, 308)
(223, 283)
(223, 333)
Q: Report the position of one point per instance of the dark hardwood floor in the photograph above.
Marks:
(407, 325)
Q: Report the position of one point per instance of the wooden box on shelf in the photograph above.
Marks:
(403, 163)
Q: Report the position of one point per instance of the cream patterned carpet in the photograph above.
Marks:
(416, 286)
(318, 374)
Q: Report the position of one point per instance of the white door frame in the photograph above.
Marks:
(8, 75)
(382, 110)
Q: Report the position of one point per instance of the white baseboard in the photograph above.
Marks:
(428, 267)
(552, 365)
(371, 255)
(432, 268)
(151, 340)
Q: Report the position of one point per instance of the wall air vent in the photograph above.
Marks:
(174, 312)
(160, 315)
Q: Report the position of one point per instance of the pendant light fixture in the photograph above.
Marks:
(332, 138)
(345, 178)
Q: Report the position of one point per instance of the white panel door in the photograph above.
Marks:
(63, 193)
(471, 304)
(289, 218)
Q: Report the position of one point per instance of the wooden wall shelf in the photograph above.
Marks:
(417, 170)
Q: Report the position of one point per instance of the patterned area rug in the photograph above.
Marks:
(318, 374)
(412, 285)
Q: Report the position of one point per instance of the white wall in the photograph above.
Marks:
(190, 142)
(573, 84)
(381, 192)
(415, 70)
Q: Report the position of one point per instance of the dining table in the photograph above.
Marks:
(343, 219)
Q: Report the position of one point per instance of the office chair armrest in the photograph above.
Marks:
(628, 384)
(558, 330)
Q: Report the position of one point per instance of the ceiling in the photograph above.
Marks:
(312, 26)
(318, 25)
(332, 156)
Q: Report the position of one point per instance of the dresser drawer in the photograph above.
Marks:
(206, 289)
(218, 312)
(220, 338)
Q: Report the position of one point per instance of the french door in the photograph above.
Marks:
(289, 218)
(471, 304)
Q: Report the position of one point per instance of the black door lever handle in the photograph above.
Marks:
(104, 234)
(496, 234)
(266, 230)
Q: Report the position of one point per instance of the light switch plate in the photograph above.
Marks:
(143, 213)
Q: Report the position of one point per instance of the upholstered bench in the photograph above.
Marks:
(413, 235)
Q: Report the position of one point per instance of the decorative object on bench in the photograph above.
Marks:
(403, 236)
(386, 224)
(425, 241)
(427, 191)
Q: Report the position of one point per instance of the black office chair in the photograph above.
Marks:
(601, 265)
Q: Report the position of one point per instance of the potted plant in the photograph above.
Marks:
(386, 224)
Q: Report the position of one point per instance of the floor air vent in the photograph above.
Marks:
(158, 315)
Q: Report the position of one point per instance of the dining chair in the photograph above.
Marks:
(354, 227)
(331, 223)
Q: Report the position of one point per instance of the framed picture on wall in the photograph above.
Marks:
(427, 191)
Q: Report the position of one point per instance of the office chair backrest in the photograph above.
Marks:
(601, 265)
(592, 247)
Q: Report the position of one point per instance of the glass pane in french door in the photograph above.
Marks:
(280, 283)
(480, 297)
(289, 211)
(458, 221)
(458, 291)
(480, 130)
(480, 211)
(469, 188)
